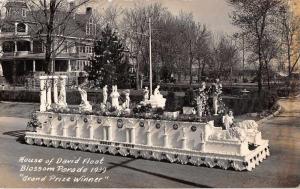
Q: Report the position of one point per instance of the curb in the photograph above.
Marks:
(272, 115)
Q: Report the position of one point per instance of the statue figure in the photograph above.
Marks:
(104, 90)
(62, 99)
(217, 90)
(1, 70)
(228, 120)
(146, 94)
(127, 101)
(84, 105)
(156, 92)
(157, 100)
(201, 99)
(115, 97)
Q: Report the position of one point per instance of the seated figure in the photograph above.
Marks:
(228, 120)
(84, 105)
(157, 100)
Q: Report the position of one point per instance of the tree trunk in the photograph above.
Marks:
(137, 74)
(191, 64)
(259, 72)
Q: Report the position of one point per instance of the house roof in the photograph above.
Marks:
(67, 24)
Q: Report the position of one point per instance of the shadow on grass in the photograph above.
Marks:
(19, 134)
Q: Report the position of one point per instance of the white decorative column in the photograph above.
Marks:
(77, 131)
(104, 133)
(165, 138)
(183, 139)
(43, 94)
(31, 43)
(55, 90)
(109, 134)
(16, 46)
(48, 88)
(53, 130)
(16, 27)
(130, 135)
(69, 65)
(33, 66)
(92, 131)
(65, 130)
(148, 139)
(127, 130)
(62, 98)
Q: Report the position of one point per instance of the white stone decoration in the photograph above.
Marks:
(1, 70)
(62, 97)
(46, 83)
(157, 100)
(85, 104)
(115, 97)
(182, 142)
(146, 94)
(104, 91)
(201, 99)
(127, 100)
(217, 90)
(43, 94)
(227, 120)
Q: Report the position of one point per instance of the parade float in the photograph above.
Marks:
(147, 130)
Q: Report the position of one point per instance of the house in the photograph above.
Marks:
(23, 38)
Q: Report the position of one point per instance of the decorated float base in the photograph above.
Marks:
(191, 143)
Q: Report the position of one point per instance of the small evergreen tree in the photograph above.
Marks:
(107, 66)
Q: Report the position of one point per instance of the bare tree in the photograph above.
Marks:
(255, 18)
(135, 23)
(226, 58)
(53, 21)
(290, 29)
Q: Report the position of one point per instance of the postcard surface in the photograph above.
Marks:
(149, 93)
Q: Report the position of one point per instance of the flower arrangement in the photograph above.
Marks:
(34, 122)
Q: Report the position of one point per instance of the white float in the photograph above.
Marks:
(240, 147)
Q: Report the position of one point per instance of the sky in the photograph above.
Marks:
(213, 13)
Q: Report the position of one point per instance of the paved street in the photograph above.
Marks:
(281, 169)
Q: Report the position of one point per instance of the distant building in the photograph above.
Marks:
(22, 43)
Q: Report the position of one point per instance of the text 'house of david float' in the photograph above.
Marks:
(153, 134)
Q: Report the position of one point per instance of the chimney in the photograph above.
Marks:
(72, 9)
(89, 10)
(72, 6)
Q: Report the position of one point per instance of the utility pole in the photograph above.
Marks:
(150, 56)
(243, 58)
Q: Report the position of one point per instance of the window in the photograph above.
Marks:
(8, 46)
(21, 27)
(37, 46)
(23, 12)
(90, 27)
(61, 65)
(8, 27)
(23, 45)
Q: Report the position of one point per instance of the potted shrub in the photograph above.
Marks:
(189, 102)
(171, 109)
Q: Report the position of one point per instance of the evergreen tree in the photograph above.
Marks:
(106, 66)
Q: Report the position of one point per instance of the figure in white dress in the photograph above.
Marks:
(157, 100)
(228, 120)
(201, 99)
(146, 94)
(127, 101)
(115, 97)
(84, 105)
(1, 70)
(104, 90)
(217, 90)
